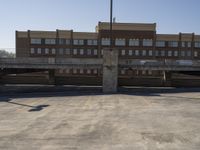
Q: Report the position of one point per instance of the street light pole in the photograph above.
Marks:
(111, 22)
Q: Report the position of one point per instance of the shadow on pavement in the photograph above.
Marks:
(32, 108)
(34, 91)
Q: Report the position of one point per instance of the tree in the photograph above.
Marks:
(5, 54)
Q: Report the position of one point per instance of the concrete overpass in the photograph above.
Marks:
(110, 67)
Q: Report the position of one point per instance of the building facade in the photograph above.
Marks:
(134, 41)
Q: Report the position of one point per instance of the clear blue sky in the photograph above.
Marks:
(171, 16)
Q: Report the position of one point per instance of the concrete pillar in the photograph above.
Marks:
(167, 78)
(1, 75)
(110, 70)
(52, 77)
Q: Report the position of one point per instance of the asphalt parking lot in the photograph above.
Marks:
(134, 119)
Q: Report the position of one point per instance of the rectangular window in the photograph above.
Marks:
(175, 53)
(143, 72)
(105, 41)
(36, 41)
(160, 43)
(134, 42)
(89, 52)
(182, 53)
(61, 51)
(137, 53)
(183, 44)
(95, 52)
(123, 52)
(46, 51)
(195, 54)
(74, 71)
(120, 42)
(123, 72)
(169, 53)
(75, 52)
(67, 51)
(147, 42)
(188, 53)
(186, 44)
(32, 51)
(81, 52)
(144, 52)
(39, 50)
(173, 44)
(81, 71)
(61, 71)
(95, 71)
(157, 53)
(102, 52)
(88, 71)
(162, 53)
(189, 44)
(92, 42)
(150, 72)
(130, 52)
(197, 44)
(67, 71)
(53, 51)
(50, 41)
(150, 53)
(78, 42)
(64, 41)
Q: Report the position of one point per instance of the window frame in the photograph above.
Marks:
(158, 43)
(172, 43)
(147, 42)
(78, 42)
(134, 42)
(36, 41)
(92, 42)
(120, 42)
(105, 41)
(50, 41)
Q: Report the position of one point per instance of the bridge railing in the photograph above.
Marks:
(160, 62)
(23, 60)
(51, 61)
(99, 61)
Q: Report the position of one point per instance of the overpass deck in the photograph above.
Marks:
(61, 63)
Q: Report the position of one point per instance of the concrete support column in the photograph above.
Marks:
(1, 75)
(52, 77)
(110, 70)
(167, 78)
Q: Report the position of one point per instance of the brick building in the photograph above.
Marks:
(135, 41)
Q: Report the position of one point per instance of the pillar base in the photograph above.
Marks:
(52, 80)
(167, 79)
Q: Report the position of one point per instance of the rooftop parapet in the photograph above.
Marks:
(187, 36)
(167, 37)
(127, 26)
(85, 35)
(43, 34)
(197, 38)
